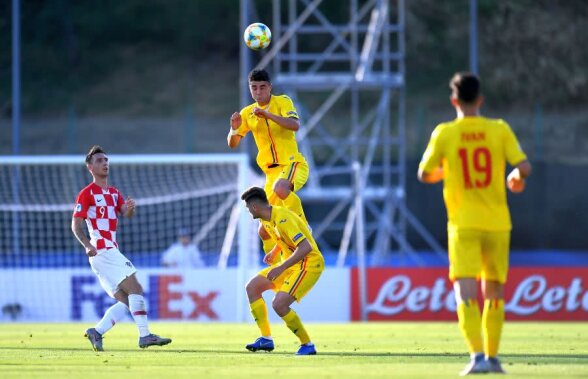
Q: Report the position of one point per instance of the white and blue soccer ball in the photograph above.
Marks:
(257, 36)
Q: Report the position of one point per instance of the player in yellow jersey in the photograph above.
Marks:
(291, 274)
(470, 154)
(273, 121)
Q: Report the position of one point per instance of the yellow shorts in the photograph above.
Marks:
(296, 173)
(294, 282)
(478, 254)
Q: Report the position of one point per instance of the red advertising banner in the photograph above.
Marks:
(415, 294)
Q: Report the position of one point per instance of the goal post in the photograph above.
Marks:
(200, 193)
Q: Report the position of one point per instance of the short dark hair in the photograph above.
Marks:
(254, 193)
(465, 87)
(94, 150)
(259, 76)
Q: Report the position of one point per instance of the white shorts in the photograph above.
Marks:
(111, 267)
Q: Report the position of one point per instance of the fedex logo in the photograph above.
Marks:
(84, 290)
(167, 299)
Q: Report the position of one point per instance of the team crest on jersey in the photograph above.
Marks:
(78, 207)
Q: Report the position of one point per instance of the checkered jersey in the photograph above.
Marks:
(100, 207)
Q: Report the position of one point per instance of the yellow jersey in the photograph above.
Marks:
(289, 230)
(473, 152)
(276, 145)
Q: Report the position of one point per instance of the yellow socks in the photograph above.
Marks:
(259, 312)
(293, 203)
(470, 324)
(492, 321)
(295, 325)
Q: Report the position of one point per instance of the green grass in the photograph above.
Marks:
(373, 350)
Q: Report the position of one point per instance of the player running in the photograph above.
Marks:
(100, 205)
(299, 266)
(273, 121)
(470, 154)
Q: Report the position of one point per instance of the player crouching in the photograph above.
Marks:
(300, 264)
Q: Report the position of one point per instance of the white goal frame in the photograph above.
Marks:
(239, 220)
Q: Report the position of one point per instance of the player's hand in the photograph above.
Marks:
(235, 121)
(515, 183)
(130, 202)
(260, 112)
(270, 257)
(275, 272)
(91, 251)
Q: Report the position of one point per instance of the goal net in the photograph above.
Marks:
(197, 193)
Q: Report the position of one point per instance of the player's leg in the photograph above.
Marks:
(291, 180)
(265, 227)
(114, 314)
(464, 268)
(102, 265)
(137, 305)
(255, 288)
(295, 287)
(495, 249)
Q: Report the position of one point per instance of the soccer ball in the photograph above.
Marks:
(257, 36)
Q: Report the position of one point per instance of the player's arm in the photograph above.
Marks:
(301, 251)
(290, 123)
(516, 179)
(430, 170)
(128, 208)
(233, 139)
(514, 154)
(436, 175)
(78, 231)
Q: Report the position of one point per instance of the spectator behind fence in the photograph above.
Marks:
(183, 253)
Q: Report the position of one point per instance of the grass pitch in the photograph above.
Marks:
(357, 350)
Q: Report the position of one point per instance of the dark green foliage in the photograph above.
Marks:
(530, 50)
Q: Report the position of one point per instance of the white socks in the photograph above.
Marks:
(112, 315)
(139, 313)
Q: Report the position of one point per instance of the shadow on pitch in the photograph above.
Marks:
(558, 358)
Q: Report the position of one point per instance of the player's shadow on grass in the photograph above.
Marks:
(557, 358)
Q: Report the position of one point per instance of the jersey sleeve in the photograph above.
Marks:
(83, 202)
(244, 128)
(287, 108)
(432, 156)
(289, 228)
(514, 153)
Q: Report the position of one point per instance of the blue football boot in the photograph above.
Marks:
(306, 349)
(262, 343)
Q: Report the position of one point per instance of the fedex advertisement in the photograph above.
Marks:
(427, 294)
(203, 295)
(211, 295)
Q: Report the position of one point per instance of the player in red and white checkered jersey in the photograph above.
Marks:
(100, 205)
(100, 208)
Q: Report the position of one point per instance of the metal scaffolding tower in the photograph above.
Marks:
(344, 68)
